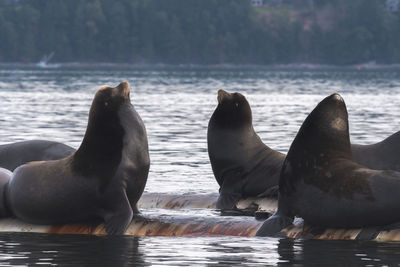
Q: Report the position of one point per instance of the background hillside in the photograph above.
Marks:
(200, 32)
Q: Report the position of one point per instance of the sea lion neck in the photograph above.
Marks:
(101, 149)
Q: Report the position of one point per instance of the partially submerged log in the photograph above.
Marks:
(174, 201)
(203, 222)
(382, 234)
(166, 225)
(201, 201)
(163, 226)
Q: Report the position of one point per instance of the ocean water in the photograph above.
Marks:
(175, 104)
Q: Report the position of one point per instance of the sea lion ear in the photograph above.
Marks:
(222, 94)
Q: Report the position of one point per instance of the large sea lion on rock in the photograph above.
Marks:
(321, 183)
(245, 167)
(15, 154)
(110, 167)
(242, 164)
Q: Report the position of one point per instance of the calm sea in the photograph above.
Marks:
(176, 104)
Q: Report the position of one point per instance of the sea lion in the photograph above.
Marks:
(380, 156)
(321, 183)
(16, 154)
(245, 167)
(242, 164)
(110, 167)
(5, 176)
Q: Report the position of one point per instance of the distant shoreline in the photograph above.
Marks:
(310, 66)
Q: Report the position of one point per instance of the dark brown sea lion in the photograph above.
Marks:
(242, 164)
(380, 156)
(110, 167)
(5, 176)
(321, 183)
(245, 167)
(16, 154)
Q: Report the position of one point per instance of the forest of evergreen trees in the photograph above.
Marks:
(198, 31)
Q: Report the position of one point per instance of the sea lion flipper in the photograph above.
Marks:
(227, 201)
(274, 224)
(369, 233)
(271, 192)
(231, 190)
(117, 222)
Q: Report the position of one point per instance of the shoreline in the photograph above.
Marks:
(290, 66)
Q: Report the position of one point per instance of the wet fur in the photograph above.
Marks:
(242, 164)
(321, 182)
(245, 167)
(95, 181)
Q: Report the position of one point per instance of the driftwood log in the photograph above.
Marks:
(160, 224)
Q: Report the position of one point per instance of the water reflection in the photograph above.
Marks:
(32, 249)
(18, 249)
(210, 251)
(338, 253)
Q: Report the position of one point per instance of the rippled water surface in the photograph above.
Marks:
(41, 249)
(176, 104)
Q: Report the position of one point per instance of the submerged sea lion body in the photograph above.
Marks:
(5, 176)
(95, 182)
(16, 154)
(380, 156)
(321, 183)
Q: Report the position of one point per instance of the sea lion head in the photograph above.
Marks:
(106, 104)
(111, 98)
(327, 126)
(325, 129)
(233, 110)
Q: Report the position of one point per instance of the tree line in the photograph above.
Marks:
(198, 31)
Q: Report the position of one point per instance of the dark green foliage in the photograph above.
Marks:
(198, 31)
